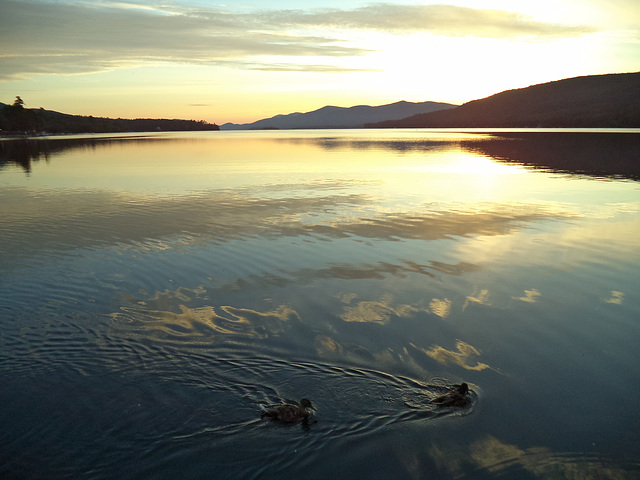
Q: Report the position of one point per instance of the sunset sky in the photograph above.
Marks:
(243, 60)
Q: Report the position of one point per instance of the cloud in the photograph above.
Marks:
(300, 67)
(42, 37)
(439, 19)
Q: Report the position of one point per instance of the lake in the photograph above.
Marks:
(157, 289)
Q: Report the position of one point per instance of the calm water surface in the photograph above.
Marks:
(155, 290)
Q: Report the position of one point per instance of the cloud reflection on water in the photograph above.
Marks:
(205, 324)
(499, 457)
(377, 311)
(80, 218)
(481, 298)
(462, 357)
(616, 297)
(170, 317)
(441, 307)
(530, 296)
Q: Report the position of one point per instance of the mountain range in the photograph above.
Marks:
(600, 101)
(341, 117)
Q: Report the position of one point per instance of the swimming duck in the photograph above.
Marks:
(289, 413)
(454, 398)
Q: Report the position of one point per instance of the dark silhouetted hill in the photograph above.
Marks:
(15, 119)
(604, 101)
(341, 117)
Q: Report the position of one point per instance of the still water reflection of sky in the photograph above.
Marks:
(356, 262)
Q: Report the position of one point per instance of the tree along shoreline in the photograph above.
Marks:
(17, 121)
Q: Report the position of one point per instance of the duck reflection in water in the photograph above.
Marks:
(458, 397)
(289, 413)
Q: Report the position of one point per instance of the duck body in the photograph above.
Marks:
(455, 398)
(289, 413)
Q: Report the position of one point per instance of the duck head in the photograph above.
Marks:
(463, 388)
(305, 404)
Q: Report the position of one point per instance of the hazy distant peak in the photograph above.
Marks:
(331, 116)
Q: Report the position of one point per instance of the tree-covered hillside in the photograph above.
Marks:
(16, 119)
(605, 101)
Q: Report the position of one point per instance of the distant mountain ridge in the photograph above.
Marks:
(341, 117)
(599, 101)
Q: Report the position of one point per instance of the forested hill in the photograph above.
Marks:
(16, 119)
(605, 101)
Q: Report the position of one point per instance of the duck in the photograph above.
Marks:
(454, 398)
(289, 413)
